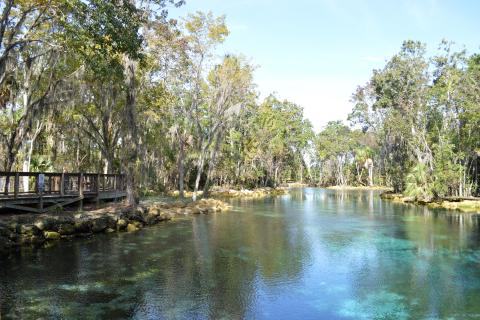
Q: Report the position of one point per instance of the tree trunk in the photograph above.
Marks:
(370, 175)
(200, 166)
(8, 167)
(131, 136)
(275, 177)
(181, 167)
(28, 161)
(211, 164)
(106, 167)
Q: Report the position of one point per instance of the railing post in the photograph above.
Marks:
(97, 182)
(16, 185)
(80, 189)
(49, 184)
(97, 188)
(62, 184)
(80, 185)
(114, 182)
(40, 187)
(7, 182)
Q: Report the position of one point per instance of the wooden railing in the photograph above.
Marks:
(16, 185)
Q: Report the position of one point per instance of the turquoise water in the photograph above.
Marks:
(313, 254)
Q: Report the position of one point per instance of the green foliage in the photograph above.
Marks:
(89, 82)
(448, 172)
(411, 106)
(274, 138)
(42, 163)
(418, 182)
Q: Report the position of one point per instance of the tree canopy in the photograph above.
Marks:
(109, 86)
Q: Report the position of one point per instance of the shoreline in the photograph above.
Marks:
(236, 193)
(36, 230)
(464, 205)
(33, 230)
(353, 188)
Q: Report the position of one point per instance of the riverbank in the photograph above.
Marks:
(360, 188)
(219, 192)
(35, 230)
(467, 205)
(247, 193)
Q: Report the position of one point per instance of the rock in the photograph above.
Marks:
(140, 210)
(153, 211)
(167, 215)
(66, 229)
(424, 201)
(109, 230)
(151, 219)
(82, 225)
(195, 210)
(99, 224)
(136, 217)
(179, 204)
(29, 229)
(203, 209)
(111, 221)
(389, 195)
(46, 223)
(51, 235)
(121, 224)
(132, 227)
(29, 234)
(408, 199)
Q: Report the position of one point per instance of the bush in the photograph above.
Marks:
(418, 182)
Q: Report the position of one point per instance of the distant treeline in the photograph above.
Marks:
(416, 127)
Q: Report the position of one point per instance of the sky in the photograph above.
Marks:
(316, 52)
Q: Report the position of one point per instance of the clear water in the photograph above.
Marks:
(314, 254)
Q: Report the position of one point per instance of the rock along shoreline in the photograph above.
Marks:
(465, 205)
(36, 230)
(240, 193)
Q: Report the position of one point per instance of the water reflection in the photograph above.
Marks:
(308, 255)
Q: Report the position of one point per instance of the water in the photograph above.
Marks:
(314, 254)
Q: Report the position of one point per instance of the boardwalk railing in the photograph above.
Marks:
(25, 188)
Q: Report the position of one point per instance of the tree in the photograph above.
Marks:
(230, 89)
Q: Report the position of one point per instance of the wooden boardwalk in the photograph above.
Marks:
(41, 192)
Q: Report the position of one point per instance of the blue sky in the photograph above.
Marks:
(316, 52)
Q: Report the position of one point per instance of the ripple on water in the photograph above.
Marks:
(377, 305)
(322, 256)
